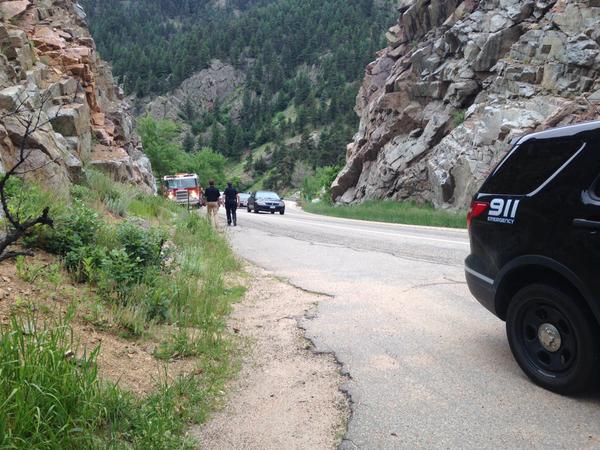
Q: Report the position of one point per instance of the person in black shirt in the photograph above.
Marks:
(212, 196)
(232, 202)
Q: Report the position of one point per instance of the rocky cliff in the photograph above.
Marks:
(458, 81)
(213, 86)
(49, 65)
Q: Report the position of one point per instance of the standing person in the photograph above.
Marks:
(232, 203)
(212, 195)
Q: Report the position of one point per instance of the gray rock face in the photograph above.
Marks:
(458, 81)
(204, 90)
(49, 70)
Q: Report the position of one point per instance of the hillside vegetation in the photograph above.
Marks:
(122, 282)
(299, 56)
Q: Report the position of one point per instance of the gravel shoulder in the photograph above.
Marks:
(286, 395)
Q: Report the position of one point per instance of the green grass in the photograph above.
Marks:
(49, 400)
(392, 212)
(52, 398)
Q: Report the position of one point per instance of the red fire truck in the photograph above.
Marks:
(183, 188)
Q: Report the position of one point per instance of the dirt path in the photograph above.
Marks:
(285, 396)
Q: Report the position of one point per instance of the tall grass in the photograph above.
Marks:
(47, 397)
(153, 207)
(392, 212)
(50, 399)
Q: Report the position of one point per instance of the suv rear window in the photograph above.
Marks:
(529, 166)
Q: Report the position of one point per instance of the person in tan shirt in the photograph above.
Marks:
(212, 196)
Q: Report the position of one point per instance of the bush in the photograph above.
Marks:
(74, 227)
(85, 261)
(140, 244)
(56, 401)
(26, 200)
(458, 117)
(319, 184)
(118, 273)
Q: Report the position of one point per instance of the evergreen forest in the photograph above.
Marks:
(303, 62)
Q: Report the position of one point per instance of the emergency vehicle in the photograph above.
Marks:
(535, 254)
(183, 188)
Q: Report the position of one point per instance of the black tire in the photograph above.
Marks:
(282, 212)
(573, 366)
(248, 209)
(272, 212)
(255, 210)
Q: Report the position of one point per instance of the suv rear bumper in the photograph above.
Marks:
(482, 288)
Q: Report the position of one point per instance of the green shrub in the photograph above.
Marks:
(119, 272)
(141, 244)
(126, 263)
(26, 200)
(74, 227)
(319, 184)
(85, 261)
(458, 117)
(82, 193)
(118, 206)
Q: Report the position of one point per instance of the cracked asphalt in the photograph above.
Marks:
(428, 366)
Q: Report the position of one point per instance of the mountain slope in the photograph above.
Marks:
(308, 54)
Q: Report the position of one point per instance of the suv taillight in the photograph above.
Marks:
(476, 209)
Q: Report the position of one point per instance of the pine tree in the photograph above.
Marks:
(188, 143)
(216, 139)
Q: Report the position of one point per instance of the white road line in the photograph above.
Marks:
(367, 231)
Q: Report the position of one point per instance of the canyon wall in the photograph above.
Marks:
(50, 72)
(457, 83)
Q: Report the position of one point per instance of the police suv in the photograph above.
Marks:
(534, 229)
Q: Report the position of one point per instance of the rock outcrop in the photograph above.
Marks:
(213, 86)
(458, 81)
(49, 68)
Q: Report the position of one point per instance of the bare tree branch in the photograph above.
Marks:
(17, 228)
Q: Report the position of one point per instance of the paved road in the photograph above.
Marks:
(429, 367)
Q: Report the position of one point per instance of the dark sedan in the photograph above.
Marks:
(266, 201)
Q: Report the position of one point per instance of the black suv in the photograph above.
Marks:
(535, 254)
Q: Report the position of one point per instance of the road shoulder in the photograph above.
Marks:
(286, 395)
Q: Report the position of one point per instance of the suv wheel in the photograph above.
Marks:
(552, 338)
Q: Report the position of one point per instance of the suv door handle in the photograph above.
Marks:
(589, 224)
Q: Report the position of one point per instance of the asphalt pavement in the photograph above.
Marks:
(428, 367)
